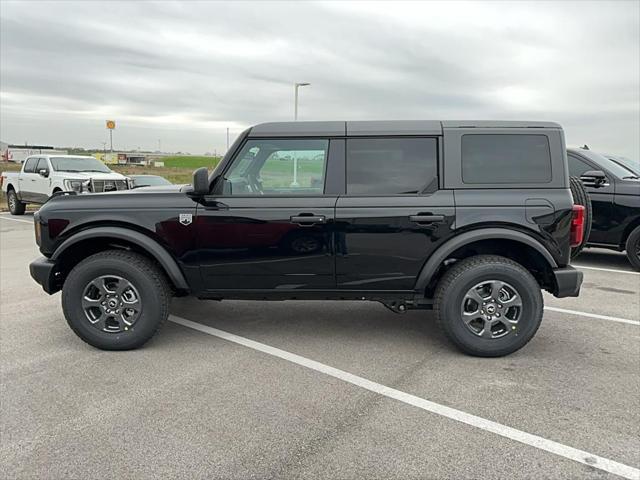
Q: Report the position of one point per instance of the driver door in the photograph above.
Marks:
(42, 181)
(271, 224)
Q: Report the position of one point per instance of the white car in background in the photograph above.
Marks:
(44, 175)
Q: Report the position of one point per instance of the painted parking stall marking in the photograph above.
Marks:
(613, 270)
(593, 315)
(16, 219)
(536, 441)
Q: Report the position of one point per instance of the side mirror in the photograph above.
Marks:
(43, 173)
(594, 178)
(200, 182)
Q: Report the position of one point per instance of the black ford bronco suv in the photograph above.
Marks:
(470, 219)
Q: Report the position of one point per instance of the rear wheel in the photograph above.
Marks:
(581, 197)
(116, 300)
(633, 248)
(488, 306)
(16, 207)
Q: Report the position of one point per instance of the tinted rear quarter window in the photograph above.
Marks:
(390, 166)
(506, 159)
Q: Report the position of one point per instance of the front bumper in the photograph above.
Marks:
(43, 271)
(568, 281)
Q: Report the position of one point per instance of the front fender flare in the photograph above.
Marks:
(443, 252)
(148, 244)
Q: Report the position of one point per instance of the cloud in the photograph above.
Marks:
(185, 71)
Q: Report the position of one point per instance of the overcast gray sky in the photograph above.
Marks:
(183, 72)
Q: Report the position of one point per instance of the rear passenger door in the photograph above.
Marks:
(393, 214)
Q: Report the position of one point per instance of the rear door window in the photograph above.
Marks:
(391, 166)
(504, 158)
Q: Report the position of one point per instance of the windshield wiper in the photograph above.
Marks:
(631, 177)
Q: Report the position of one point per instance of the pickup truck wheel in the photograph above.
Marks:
(581, 197)
(633, 248)
(115, 300)
(16, 207)
(488, 306)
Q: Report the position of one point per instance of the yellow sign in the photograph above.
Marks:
(111, 124)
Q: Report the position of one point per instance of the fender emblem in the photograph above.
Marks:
(186, 218)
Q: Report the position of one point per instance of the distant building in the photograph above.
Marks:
(18, 153)
(128, 158)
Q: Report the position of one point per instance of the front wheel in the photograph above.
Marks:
(633, 248)
(115, 300)
(16, 207)
(488, 306)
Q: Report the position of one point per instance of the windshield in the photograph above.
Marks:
(78, 164)
(633, 165)
(608, 164)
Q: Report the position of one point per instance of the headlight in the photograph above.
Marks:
(75, 185)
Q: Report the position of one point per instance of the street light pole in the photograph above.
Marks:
(295, 101)
(295, 117)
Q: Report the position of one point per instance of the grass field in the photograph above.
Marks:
(192, 162)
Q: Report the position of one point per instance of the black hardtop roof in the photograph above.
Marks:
(382, 127)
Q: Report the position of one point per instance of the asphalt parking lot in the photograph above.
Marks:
(319, 389)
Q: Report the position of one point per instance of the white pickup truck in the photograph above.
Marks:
(44, 175)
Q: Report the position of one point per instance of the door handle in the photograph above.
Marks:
(307, 220)
(424, 219)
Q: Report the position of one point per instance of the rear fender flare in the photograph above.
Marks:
(157, 251)
(444, 251)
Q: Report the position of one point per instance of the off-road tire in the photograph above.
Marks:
(469, 272)
(632, 248)
(581, 197)
(150, 282)
(16, 207)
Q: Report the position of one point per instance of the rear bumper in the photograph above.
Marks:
(568, 281)
(42, 271)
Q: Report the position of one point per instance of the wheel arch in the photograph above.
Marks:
(512, 244)
(632, 225)
(96, 239)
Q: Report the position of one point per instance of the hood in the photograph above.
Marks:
(95, 175)
(628, 186)
(155, 189)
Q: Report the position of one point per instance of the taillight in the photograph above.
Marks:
(577, 226)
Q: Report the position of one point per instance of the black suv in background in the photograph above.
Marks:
(472, 219)
(614, 190)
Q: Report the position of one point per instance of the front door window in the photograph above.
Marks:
(278, 167)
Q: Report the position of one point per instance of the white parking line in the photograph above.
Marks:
(593, 315)
(605, 269)
(541, 443)
(15, 219)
